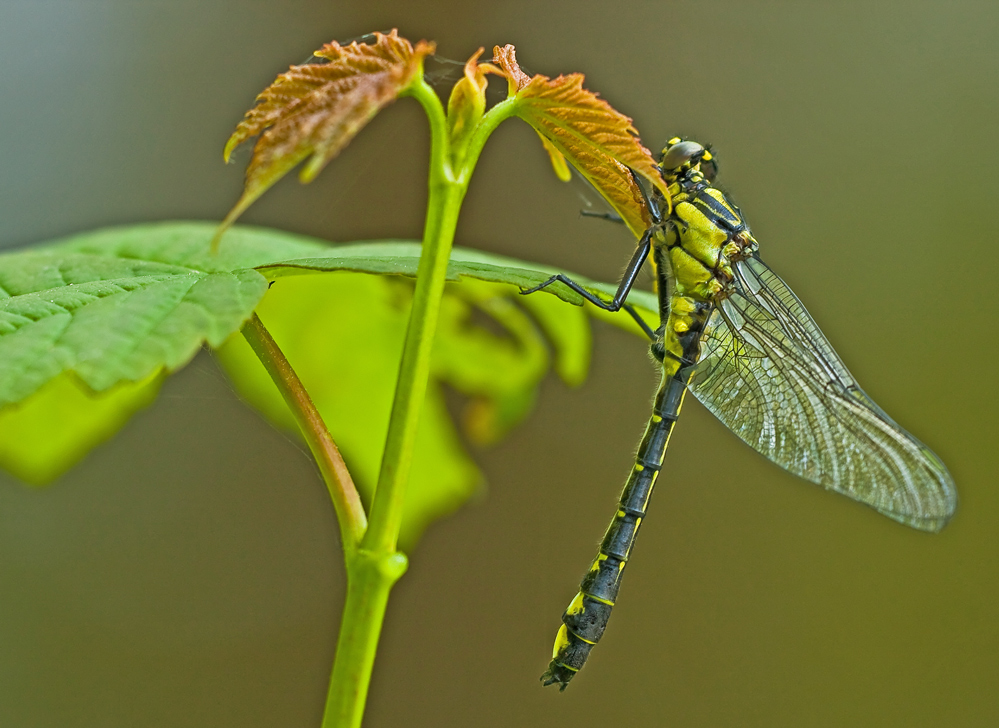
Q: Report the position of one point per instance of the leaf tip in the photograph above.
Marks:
(234, 141)
(506, 59)
(559, 163)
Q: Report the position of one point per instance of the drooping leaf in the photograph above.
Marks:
(315, 109)
(500, 374)
(570, 335)
(599, 141)
(46, 434)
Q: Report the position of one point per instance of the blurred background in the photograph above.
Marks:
(188, 573)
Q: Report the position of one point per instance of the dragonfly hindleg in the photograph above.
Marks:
(609, 216)
(623, 288)
(613, 305)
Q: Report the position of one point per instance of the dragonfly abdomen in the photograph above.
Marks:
(587, 615)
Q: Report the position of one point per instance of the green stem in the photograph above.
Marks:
(370, 578)
(445, 196)
(377, 565)
(486, 126)
(346, 501)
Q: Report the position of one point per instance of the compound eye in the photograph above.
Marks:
(709, 168)
(679, 154)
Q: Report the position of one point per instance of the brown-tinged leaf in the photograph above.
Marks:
(599, 141)
(315, 109)
(506, 57)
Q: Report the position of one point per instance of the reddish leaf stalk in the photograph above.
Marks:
(346, 501)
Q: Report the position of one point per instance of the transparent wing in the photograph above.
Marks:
(769, 374)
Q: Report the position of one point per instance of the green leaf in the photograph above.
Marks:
(402, 257)
(569, 334)
(89, 325)
(118, 305)
(499, 373)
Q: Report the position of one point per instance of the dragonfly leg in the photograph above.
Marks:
(623, 288)
(641, 322)
(654, 212)
(571, 284)
(600, 303)
(609, 216)
(658, 350)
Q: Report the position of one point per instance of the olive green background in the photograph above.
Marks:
(188, 573)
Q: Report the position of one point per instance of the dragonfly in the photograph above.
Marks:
(733, 333)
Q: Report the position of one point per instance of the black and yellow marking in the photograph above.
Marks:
(767, 373)
(694, 242)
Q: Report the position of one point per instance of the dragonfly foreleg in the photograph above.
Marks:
(654, 212)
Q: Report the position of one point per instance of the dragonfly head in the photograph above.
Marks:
(679, 156)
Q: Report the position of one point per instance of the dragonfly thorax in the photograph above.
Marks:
(703, 232)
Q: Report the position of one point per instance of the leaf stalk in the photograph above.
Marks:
(346, 501)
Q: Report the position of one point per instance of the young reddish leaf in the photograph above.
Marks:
(468, 97)
(317, 108)
(599, 141)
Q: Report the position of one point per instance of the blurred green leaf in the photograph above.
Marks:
(48, 433)
(499, 373)
(343, 334)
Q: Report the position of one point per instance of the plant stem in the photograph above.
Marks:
(346, 501)
(492, 118)
(376, 566)
(370, 578)
(444, 201)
